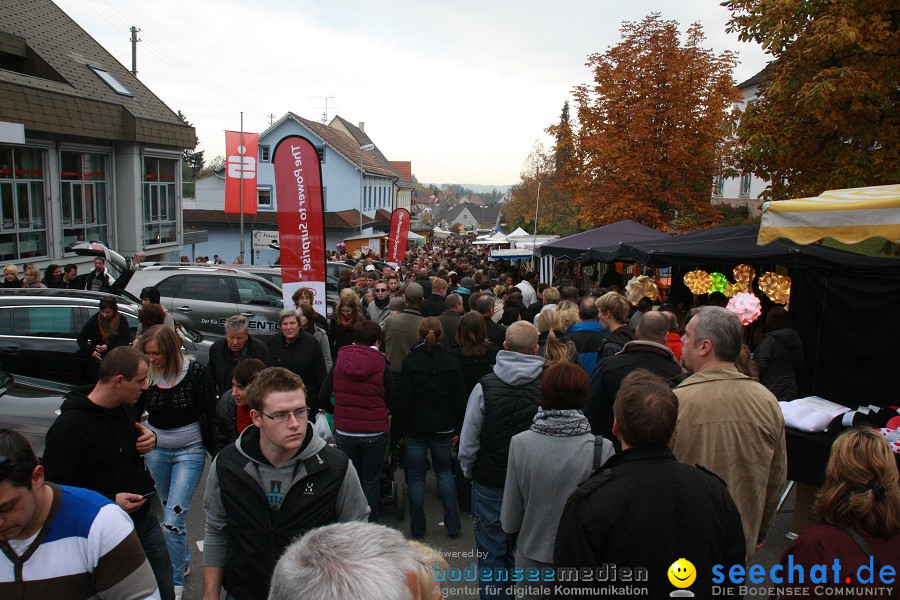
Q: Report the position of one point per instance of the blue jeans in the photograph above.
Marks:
(415, 476)
(177, 472)
(495, 551)
(147, 530)
(367, 455)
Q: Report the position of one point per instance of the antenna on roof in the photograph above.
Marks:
(324, 118)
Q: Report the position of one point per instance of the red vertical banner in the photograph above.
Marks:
(241, 151)
(397, 236)
(301, 219)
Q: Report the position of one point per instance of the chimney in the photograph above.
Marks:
(362, 126)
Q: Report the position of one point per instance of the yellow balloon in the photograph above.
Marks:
(697, 281)
(682, 573)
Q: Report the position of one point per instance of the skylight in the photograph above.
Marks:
(111, 81)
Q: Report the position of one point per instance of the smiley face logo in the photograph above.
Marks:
(682, 573)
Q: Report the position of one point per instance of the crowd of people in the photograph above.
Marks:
(568, 425)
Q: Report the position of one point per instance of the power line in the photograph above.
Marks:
(119, 21)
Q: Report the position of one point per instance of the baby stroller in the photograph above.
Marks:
(393, 481)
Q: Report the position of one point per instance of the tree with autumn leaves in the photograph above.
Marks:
(650, 135)
(828, 115)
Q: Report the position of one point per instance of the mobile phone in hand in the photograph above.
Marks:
(147, 496)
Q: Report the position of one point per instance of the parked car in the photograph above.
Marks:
(38, 329)
(202, 298)
(198, 297)
(29, 406)
(273, 275)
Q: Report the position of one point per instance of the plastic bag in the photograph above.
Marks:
(323, 430)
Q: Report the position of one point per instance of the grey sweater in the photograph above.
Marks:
(542, 472)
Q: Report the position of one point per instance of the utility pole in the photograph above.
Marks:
(271, 119)
(134, 41)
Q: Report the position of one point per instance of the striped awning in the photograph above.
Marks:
(849, 215)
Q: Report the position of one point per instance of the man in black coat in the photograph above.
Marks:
(433, 305)
(648, 351)
(644, 511)
(237, 345)
(495, 332)
(453, 311)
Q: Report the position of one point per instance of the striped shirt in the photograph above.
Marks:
(85, 549)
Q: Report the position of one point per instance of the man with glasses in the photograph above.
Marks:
(56, 537)
(379, 309)
(275, 482)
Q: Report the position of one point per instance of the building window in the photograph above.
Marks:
(321, 152)
(263, 154)
(111, 81)
(83, 188)
(264, 198)
(718, 185)
(324, 199)
(23, 226)
(745, 184)
(160, 200)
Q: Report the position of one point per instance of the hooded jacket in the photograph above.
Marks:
(588, 337)
(616, 340)
(515, 370)
(363, 390)
(318, 486)
(92, 447)
(779, 357)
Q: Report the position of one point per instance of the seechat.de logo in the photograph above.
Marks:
(682, 574)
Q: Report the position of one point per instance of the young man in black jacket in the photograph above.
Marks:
(97, 443)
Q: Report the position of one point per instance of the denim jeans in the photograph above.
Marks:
(177, 472)
(366, 452)
(415, 476)
(154, 545)
(495, 551)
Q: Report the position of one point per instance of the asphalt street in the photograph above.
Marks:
(459, 552)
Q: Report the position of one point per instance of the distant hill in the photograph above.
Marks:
(478, 189)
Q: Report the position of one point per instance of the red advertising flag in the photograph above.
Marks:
(241, 150)
(398, 234)
(301, 219)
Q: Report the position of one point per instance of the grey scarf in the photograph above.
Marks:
(561, 423)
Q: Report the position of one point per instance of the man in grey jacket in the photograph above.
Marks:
(502, 404)
(277, 481)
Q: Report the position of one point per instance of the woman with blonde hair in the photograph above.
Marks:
(429, 417)
(181, 405)
(550, 346)
(11, 277)
(32, 278)
(858, 509)
(568, 313)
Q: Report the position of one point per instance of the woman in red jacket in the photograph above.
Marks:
(363, 386)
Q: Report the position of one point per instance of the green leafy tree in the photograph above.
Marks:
(828, 113)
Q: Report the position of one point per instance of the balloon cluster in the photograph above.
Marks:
(746, 306)
(641, 287)
(776, 287)
(718, 283)
(697, 281)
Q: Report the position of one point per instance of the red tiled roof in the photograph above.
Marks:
(404, 167)
(375, 162)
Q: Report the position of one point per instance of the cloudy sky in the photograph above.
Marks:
(462, 89)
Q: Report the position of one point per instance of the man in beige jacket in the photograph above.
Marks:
(729, 423)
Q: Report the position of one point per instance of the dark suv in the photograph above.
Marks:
(38, 329)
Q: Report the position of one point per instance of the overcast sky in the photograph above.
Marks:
(463, 89)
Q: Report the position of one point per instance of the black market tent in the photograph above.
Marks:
(844, 305)
(575, 245)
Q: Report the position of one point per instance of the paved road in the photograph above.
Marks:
(459, 552)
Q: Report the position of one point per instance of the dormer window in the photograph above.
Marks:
(111, 81)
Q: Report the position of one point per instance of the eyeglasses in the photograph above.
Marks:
(6, 466)
(298, 414)
(380, 289)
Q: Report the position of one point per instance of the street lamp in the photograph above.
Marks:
(362, 174)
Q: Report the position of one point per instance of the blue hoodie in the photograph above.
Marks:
(587, 336)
